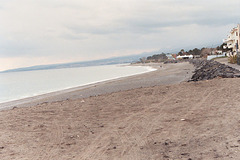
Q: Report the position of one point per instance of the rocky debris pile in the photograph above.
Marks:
(206, 70)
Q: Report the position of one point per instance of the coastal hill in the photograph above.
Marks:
(108, 61)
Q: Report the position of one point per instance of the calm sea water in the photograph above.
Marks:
(18, 85)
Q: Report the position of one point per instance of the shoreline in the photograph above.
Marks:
(189, 120)
(75, 92)
(23, 101)
(85, 84)
(156, 115)
(148, 68)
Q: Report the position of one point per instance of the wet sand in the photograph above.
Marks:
(166, 74)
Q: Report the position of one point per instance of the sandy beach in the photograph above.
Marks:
(165, 74)
(157, 115)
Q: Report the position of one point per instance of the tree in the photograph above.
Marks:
(205, 52)
(181, 52)
(143, 60)
(190, 51)
(224, 47)
(196, 51)
(157, 57)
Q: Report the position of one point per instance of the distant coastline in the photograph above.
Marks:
(107, 61)
(16, 85)
(71, 65)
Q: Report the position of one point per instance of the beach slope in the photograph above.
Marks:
(190, 120)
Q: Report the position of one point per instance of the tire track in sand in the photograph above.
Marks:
(56, 140)
(98, 146)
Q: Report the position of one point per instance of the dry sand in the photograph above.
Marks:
(196, 120)
(225, 61)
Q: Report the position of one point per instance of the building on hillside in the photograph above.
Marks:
(174, 56)
(170, 56)
(233, 40)
(185, 57)
(217, 52)
(196, 56)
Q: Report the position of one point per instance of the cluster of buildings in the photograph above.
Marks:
(233, 40)
(184, 57)
(230, 47)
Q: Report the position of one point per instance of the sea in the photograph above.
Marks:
(19, 85)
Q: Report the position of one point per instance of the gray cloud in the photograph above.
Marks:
(167, 15)
(98, 29)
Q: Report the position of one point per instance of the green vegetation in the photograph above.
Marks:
(154, 58)
(197, 53)
(204, 52)
(232, 59)
(157, 57)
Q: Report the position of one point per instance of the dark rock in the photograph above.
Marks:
(14, 107)
(206, 70)
(184, 154)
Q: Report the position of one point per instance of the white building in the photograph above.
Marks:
(185, 57)
(233, 40)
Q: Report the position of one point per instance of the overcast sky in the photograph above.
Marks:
(34, 32)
